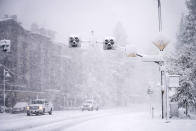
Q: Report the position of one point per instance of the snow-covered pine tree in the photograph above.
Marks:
(120, 34)
(183, 61)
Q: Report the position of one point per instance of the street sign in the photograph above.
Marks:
(173, 81)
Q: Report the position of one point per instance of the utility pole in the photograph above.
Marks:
(92, 36)
(4, 89)
(159, 15)
(161, 64)
(166, 100)
(92, 39)
(162, 94)
(64, 101)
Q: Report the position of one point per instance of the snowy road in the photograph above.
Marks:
(103, 120)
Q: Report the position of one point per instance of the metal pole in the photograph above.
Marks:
(64, 101)
(4, 89)
(162, 94)
(166, 86)
(92, 37)
(159, 15)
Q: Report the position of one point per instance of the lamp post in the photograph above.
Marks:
(160, 43)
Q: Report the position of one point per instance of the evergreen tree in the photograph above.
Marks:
(183, 60)
(120, 34)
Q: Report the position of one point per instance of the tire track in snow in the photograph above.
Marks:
(65, 124)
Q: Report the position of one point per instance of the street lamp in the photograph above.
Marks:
(131, 51)
(160, 44)
(161, 41)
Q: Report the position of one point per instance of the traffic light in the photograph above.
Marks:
(74, 41)
(5, 45)
(109, 44)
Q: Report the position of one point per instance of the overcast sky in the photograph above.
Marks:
(138, 17)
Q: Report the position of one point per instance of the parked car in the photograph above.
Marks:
(20, 107)
(1, 109)
(39, 106)
(90, 105)
(7, 109)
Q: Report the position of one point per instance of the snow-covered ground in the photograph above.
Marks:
(121, 119)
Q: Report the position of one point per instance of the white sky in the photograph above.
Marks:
(139, 17)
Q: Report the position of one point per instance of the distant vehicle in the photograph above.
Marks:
(1, 109)
(20, 107)
(39, 107)
(90, 105)
(7, 109)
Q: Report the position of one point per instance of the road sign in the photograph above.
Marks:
(173, 81)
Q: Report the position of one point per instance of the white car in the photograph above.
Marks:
(20, 107)
(90, 105)
(39, 106)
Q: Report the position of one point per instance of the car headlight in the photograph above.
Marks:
(40, 107)
(27, 107)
